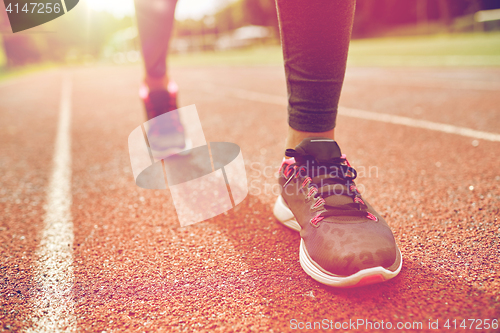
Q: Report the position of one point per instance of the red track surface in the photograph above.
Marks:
(137, 270)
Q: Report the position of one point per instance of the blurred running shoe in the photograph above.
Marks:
(344, 241)
(165, 131)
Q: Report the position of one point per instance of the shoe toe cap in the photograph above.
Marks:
(345, 249)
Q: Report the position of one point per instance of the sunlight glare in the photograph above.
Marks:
(186, 9)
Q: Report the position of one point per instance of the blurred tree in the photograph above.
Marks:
(230, 17)
(83, 33)
(422, 12)
(20, 50)
(261, 12)
(445, 12)
(189, 27)
(375, 17)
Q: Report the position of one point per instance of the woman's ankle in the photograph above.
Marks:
(156, 83)
(294, 137)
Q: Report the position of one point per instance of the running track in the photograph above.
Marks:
(84, 249)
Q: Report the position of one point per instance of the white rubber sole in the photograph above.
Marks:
(174, 151)
(285, 215)
(363, 277)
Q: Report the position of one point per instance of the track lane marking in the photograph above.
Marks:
(430, 83)
(53, 305)
(361, 114)
(418, 123)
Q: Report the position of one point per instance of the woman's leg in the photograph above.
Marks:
(155, 20)
(315, 38)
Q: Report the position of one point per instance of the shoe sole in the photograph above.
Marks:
(174, 151)
(364, 277)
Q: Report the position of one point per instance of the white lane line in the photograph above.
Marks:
(424, 82)
(53, 305)
(361, 114)
(425, 124)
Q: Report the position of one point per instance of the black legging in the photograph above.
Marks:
(315, 37)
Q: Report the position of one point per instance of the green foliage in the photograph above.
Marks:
(473, 49)
(235, 15)
(82, 34)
